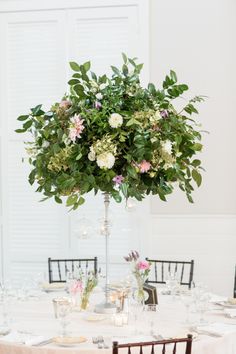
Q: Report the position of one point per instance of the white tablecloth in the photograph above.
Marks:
(37, 316)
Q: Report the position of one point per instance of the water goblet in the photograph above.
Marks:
(202, 307)
(151, 311)
(187, 302)
(63, 311)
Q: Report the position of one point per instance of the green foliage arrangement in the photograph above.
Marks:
(113, 135)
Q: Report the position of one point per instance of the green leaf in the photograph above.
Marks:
(138, 68)
(74, 66)
(115, 70)
(27, 124)
(116, 196)
(132, 172)
(71, 200)
(125, 59)
(197, 177)
(20, 130)
(73, 82)
(57, 199)
(197, 147)
(124, 189)
(87, 66)
(36, 111)
(22, 118)
(81, 201)
(79, 90)
(190, 199)
(173, 76)
(78, 157)
(152, 89)
(125, 69)
(196, 163)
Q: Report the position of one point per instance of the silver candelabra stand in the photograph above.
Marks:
(107, 306)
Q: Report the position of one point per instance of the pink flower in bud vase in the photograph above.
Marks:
(118, 179)
(76, 287)
(65, 104)
(143, 265)
(97, 105)
(144, 166)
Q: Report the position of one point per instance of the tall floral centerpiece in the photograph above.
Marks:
(140, 269)
(112, 135)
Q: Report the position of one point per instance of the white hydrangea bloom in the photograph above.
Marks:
(106, 160)
(167, 146)
(115, 120)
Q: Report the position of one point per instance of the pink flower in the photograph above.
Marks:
(76, 127)
(65, 104)
(144, 166)
(75, 287)
(118, 179)
(97, 105)
(143, 265)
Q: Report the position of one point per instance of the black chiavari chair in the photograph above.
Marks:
(160, 268)
(235, 283)
(59, 268)
(166, 346)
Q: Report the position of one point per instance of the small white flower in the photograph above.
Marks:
(99, 96)
(105, 160)
(91, 156)
(45, 144)
(167, 146)
(102, 86)
(115, 120)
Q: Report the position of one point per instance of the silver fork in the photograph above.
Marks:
(95, 340)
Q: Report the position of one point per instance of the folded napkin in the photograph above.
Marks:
(23, 338)
(230, 312)
(217, 299)
(217, 329)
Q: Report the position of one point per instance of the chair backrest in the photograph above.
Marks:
(59, 268)
(160, 268)
(163, 345)
(235, 283)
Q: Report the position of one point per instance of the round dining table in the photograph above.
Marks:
(36, 317)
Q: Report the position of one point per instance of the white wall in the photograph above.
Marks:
(197, 40)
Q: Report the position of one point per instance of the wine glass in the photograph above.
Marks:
(172, 283)
(63, 311)
(202, 307)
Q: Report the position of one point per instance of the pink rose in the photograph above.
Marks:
(144, 166)
(143, 265)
